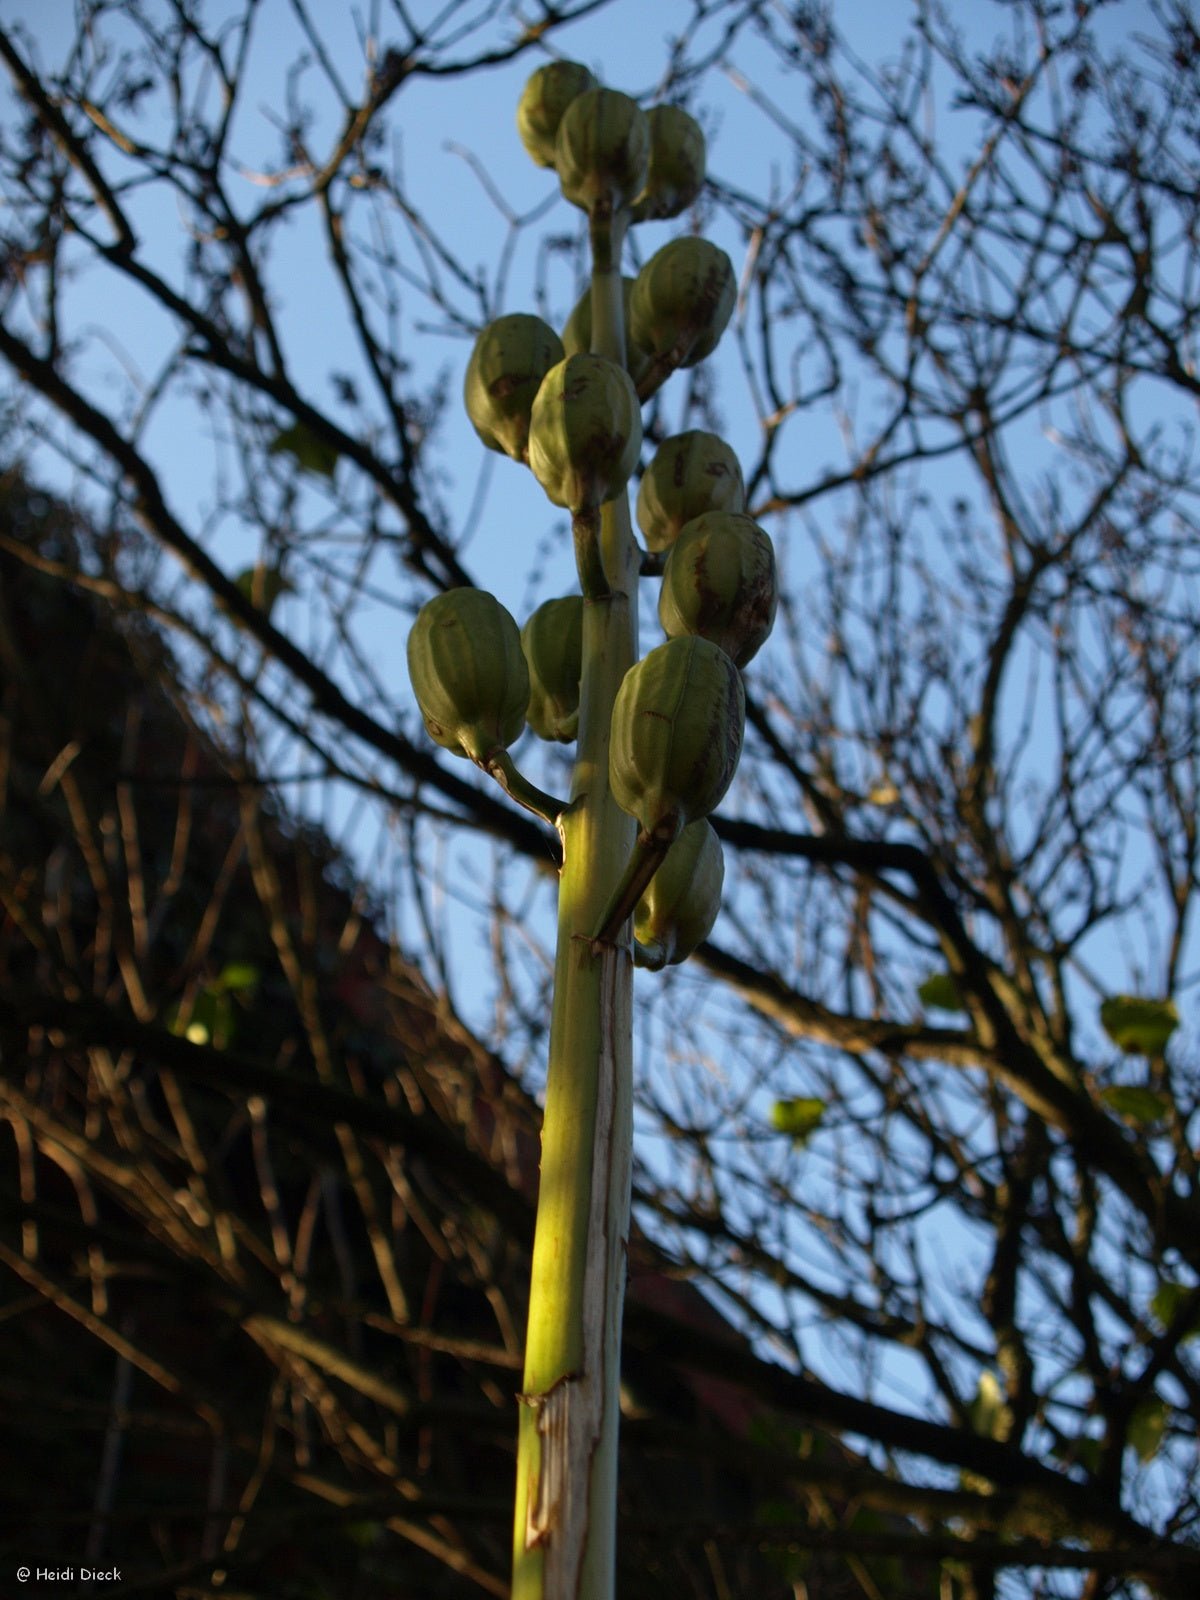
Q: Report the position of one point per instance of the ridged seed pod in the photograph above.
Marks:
(552, 640)
(585, 432)
(511, 357)
(602, 150)
(678, 910)
(468, 673)
(719, 582)
(577, 333)
(675, 175)
(691, 473)
(676, 736)
(544, 98)
(682, 300)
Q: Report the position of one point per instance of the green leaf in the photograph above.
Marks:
(791, 1563)
(214, 1012)
(238, 977)
(774, 1433)
(987, 1413)
(1083, 1452)
(1167, 1300)
(800, 1119)
(212, 1020)
(941, 993)
(1147, 1426)
(1135, 1104)
(262, 586)
(364, 1534)
(311, 452)
(1138, 1026)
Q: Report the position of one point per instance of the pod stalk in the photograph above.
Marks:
(648, 855)
(500, 765)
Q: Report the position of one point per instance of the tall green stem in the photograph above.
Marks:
(565, 1530)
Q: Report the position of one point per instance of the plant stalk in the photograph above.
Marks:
(565, 1529)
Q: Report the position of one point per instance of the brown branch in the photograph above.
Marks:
(1169, 1568)
(1053, 1091)
(808, 1019)
(304, 1100)
(1076, 1507)
(71, 147)
(327, 698)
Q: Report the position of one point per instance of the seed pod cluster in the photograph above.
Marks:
(608, 153)
(574, 417)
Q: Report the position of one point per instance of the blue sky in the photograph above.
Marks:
(447, 134)
(454, 141)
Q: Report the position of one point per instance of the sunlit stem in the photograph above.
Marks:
(565, 1529)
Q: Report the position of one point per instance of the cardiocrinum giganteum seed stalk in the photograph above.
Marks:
(657, 745)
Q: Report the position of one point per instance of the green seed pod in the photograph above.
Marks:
(544, 98)
(511, 357)
(468, 673)
(585, 432)
(682, 301)
(675, 175)
(552, 640)
(678, 910)
(602, 151)
(719, 582)
(691, 473)
(677, 727)
(577, 334)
